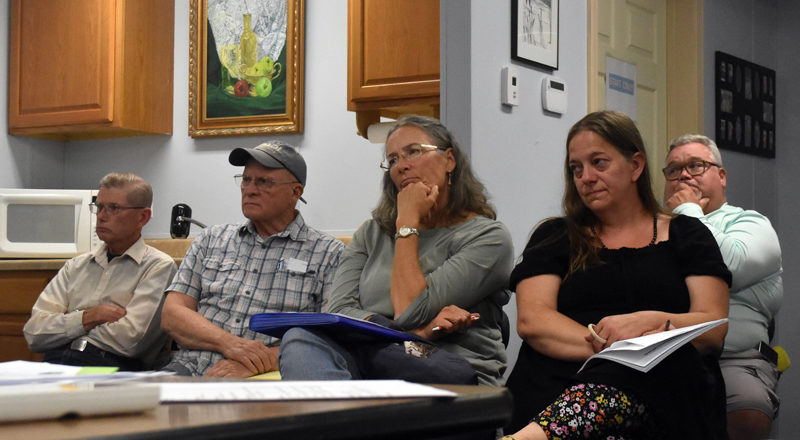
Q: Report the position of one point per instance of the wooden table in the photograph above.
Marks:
(476, 410)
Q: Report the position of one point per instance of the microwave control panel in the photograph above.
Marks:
(94, 240)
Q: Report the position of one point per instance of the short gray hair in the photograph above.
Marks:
(700, 139)
(139, 191)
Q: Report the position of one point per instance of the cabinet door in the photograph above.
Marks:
(61, 60)
(393, 53)
(18, 292)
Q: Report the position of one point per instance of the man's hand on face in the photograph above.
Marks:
(686, 194)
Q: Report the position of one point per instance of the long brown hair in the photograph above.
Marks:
(620, 131)
(467, 193)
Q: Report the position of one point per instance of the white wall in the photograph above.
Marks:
(343, 172)
(517, 152)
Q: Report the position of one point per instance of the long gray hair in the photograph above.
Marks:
(466, 192)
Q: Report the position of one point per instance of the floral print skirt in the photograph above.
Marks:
(597, 411)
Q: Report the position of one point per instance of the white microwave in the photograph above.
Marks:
(46, 223)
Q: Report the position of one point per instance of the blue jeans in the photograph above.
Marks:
(308, 355)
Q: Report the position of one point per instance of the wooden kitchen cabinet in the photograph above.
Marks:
(393, 59)
(81, 69)
(19, 289)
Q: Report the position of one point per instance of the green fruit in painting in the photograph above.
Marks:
(241, 88)
(264, 87)
(257, 70)
(264, 66)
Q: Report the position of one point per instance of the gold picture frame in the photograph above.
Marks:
(219, 103)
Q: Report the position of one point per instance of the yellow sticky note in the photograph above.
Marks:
(272, 375)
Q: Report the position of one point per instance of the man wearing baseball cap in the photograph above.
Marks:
(271, 262)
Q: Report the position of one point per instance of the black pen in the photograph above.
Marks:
(666, 327)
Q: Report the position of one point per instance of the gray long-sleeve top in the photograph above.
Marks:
(466, 265)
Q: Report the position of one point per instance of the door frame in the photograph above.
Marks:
(685, 101)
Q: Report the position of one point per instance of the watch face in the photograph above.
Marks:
(405, 231)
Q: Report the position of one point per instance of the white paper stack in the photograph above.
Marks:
(645, 352)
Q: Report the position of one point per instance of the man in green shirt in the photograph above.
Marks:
(695, 187)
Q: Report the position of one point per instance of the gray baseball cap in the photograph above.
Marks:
(273, 155)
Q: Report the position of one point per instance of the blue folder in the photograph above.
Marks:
(339, 327)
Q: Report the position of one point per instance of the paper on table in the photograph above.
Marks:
(25, 372)
(645, 352)
(295, 390)
(26, 369)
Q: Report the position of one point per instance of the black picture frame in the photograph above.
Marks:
(744, 106)
(534, 32)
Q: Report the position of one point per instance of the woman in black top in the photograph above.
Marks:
(617, 261)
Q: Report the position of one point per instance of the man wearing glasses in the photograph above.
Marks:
(103, 307)
(271, 262)
(695, 187)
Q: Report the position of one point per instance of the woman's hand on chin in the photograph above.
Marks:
(415, 203)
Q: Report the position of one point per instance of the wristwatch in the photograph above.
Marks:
(406, 231)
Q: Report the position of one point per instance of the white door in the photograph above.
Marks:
(634, 31)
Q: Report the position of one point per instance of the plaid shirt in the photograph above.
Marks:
(234, 273)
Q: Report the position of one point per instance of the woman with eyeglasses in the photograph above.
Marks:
(614, 267)
(432, 261)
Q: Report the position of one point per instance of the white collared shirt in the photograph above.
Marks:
(134, 281)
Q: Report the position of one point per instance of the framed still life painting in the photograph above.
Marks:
(246, 67)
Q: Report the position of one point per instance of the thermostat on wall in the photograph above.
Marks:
(509, 89)
(554, 94)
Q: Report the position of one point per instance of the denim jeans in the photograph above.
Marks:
(308, 355)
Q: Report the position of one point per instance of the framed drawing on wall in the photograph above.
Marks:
(246, 67)
(745, 106)
(534, 32)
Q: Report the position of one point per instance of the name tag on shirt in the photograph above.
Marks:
(294, 265)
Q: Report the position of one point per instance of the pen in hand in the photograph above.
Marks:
(666, 327)
(472, 317)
